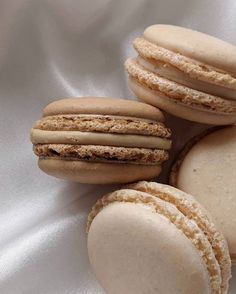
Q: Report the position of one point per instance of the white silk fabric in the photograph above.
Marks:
(55, 49)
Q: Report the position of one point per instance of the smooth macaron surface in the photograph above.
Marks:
(80, 139)
(206, 168)
(186, 73)
(140, 235)
(103, 106)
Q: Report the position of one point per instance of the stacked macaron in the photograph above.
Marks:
(153, 238)
(101, 140)
(186, 73)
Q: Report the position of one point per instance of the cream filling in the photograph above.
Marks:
(171, 73)
(92, 138)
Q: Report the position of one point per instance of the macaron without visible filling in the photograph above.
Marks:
(101, 140)
(186, 73)
(154, 238)
(206, 168)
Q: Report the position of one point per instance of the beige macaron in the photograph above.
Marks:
(154, 238)
(186, 73)
(101, 140)
(206, 168)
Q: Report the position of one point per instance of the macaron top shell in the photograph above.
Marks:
(195, 45)
(184, 70)
(103, 106)
(207, 170)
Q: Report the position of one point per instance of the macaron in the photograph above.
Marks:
(154, 238)
(101, 140)
(206, 168)
(186, 73)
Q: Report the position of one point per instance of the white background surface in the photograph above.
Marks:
(51, 50)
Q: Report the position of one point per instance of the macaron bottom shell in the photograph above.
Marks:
(157, 99)
(97, 173)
